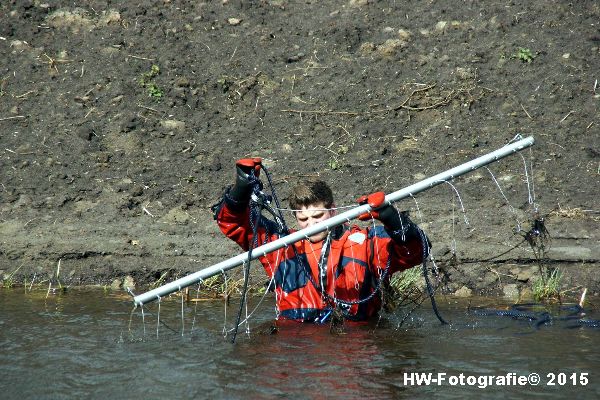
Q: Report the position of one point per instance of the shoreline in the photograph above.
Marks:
(143, 254)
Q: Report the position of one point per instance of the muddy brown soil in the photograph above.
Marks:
(120, 123)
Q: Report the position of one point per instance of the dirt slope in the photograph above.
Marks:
(120, 123)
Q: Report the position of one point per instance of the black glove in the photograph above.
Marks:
(247, 171)
(398, 224)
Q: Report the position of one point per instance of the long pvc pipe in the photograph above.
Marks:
(337, 219)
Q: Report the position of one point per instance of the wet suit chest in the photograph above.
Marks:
(339, 262)
(318, 258)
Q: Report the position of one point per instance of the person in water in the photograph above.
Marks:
(343, 269)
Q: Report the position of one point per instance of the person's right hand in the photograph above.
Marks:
(247, 171)
(248, 165)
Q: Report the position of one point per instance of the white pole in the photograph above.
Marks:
(337, 219)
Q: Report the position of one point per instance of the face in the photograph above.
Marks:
(308, 216)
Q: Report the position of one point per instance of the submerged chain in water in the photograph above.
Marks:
(182, 316)
(195, 307)
(158, 318)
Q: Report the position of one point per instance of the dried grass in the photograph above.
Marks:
(574, 213)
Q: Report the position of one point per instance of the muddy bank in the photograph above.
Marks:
(120, 123)
(144, 253)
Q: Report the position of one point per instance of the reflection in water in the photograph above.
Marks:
(81, 345)
(308, 359)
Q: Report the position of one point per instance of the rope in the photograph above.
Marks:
(276, 199)
(254, 212)
(430, 290)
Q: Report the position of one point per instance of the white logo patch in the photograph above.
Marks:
(357, 237)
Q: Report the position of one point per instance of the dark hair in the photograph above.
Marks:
(310, 192)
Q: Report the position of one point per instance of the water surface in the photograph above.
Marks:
(92, 344)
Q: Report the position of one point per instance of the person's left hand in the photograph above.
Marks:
(397, 223)
(377, 202)
(384, 212)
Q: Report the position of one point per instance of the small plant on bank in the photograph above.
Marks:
(9, 280)
(546, 288)
(406, 280)
(225, 83)
(147, 77)
(333, 163)
(160, 280)
(525, 55)
(402, 288)
(213, 284)
(154, 91)
(147, 81)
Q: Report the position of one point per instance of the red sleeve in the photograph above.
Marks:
(403, 254)
(406, 255)
(234, 222)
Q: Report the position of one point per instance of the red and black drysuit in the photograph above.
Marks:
(355, 261)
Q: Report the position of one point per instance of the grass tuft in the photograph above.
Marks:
(546, 288)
